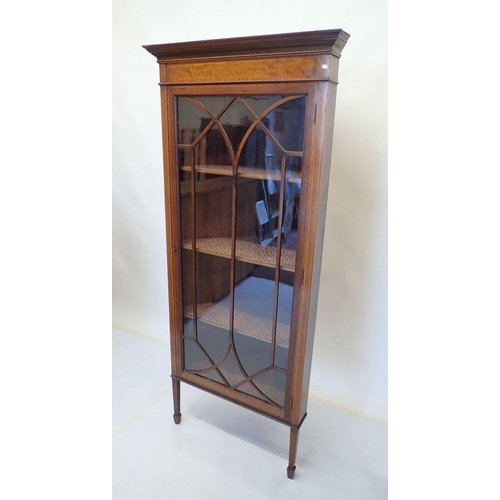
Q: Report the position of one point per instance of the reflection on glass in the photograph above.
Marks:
(289, 227)
(272, 383)
(214, 104)
(285, 122)
(236, 121)
(243, 152)
(186, 235)
(190, 116)
(195, 358)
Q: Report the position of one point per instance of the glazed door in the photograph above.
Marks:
(239, 161)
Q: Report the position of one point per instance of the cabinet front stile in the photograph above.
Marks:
(305, 256)
(172, 227)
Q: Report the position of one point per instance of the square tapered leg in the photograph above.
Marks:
(176, 390)
(294, 441)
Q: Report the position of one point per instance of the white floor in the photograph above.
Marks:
(222, 451)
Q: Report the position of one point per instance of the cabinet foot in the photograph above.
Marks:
(176, 391)
(294, 440)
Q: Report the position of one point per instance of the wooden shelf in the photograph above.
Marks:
(246, 251)
(254, 326)
(247, 172)
(204, 186)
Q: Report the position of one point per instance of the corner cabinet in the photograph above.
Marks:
(247, 138)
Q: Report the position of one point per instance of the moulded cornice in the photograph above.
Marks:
(306, 42)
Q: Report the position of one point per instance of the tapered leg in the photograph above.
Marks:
(294, 441)
(176, 390)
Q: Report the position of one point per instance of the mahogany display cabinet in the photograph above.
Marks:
(247, 137)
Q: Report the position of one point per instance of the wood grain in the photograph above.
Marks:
(248, 70)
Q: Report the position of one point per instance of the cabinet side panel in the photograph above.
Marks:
(325, 120)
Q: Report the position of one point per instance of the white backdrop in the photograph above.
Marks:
(350, 353)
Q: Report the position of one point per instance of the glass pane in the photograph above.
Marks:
(285, 121)
(256, 234)
(190, 119)
(206, 261)
(259, 155)
(186, 214)
(246, 330)
(272, 383)
(213, 270)
(253, 318)
(259, 103)
(187, 293)
(214, 104)
(236, 121)
(229, 368)
(193, 356)
(291, 203)
(249, 389)
(214, 149)
(213, 243)
(196, 359)
(286, 124)
(256, 229)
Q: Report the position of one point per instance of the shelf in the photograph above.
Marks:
(245, 323)
(204, 186)
(247, 172)
(246, 251)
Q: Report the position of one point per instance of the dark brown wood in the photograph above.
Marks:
(325, 123)
(294, 443)
(244, 381)
(176, 391)
(172, 230)
(252, 404)
(296, 353)
(289, 66)
(316, 42)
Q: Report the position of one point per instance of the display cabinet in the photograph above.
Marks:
(247, 138)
